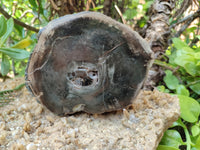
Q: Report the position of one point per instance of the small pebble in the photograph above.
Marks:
(17, 146)
(27, 127)
(28, 117)
(31, 146)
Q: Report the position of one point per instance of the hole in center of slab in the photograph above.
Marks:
(83, 76)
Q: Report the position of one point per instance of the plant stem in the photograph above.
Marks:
(190, 20)
(192, 83)
(187, 135)
(17, 21)
(12, 90)
(188, 140)
(165, 65)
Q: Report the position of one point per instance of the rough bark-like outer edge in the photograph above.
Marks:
(127, 32)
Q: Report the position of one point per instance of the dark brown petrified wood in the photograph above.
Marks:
(87, 62)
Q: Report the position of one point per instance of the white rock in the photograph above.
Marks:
(31, 146)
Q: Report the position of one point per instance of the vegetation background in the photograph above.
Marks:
(170, 26)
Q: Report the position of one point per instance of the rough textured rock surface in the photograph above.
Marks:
(25, 124)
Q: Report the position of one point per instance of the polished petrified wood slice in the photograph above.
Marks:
(87, 62)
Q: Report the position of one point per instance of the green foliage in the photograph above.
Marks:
(33, 3)
(194, 84)
(187, 58)
(181, 90)
(135, 9)
(195, 129)
(16, 41)
(5, 65)
(8, 95)
(7, 53)
(15, 53)
(190, 108)
(172, 138)
(164, 147)
(130, 13)
(9, 27)
(3, 26)
(184, 81)
(170, 80)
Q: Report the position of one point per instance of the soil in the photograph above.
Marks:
(26, 124)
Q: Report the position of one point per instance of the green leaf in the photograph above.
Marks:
(181, 90)
(33, 3)
(15, 53)
(178, 123)
(147, 4)
(183, 57)
(198, 36)
(168, 52)
(197, 55)
(198, 63)
(41, 7)
(172, 138)
(133, 4)
(130, 13)
(192, 68)
(192, 29)
(5, 65)
(23, 43)
(164, 147)
(194, 84)
(20, 29)
(161, 88)
(190, 108)
(10, 25)
(196, 88)
(188, 59)
(171, 81)
(179, 44)
(195, 130)
(2, 25)
(97, 8)
(197, 145)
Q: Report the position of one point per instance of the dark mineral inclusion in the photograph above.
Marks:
(87, 62)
